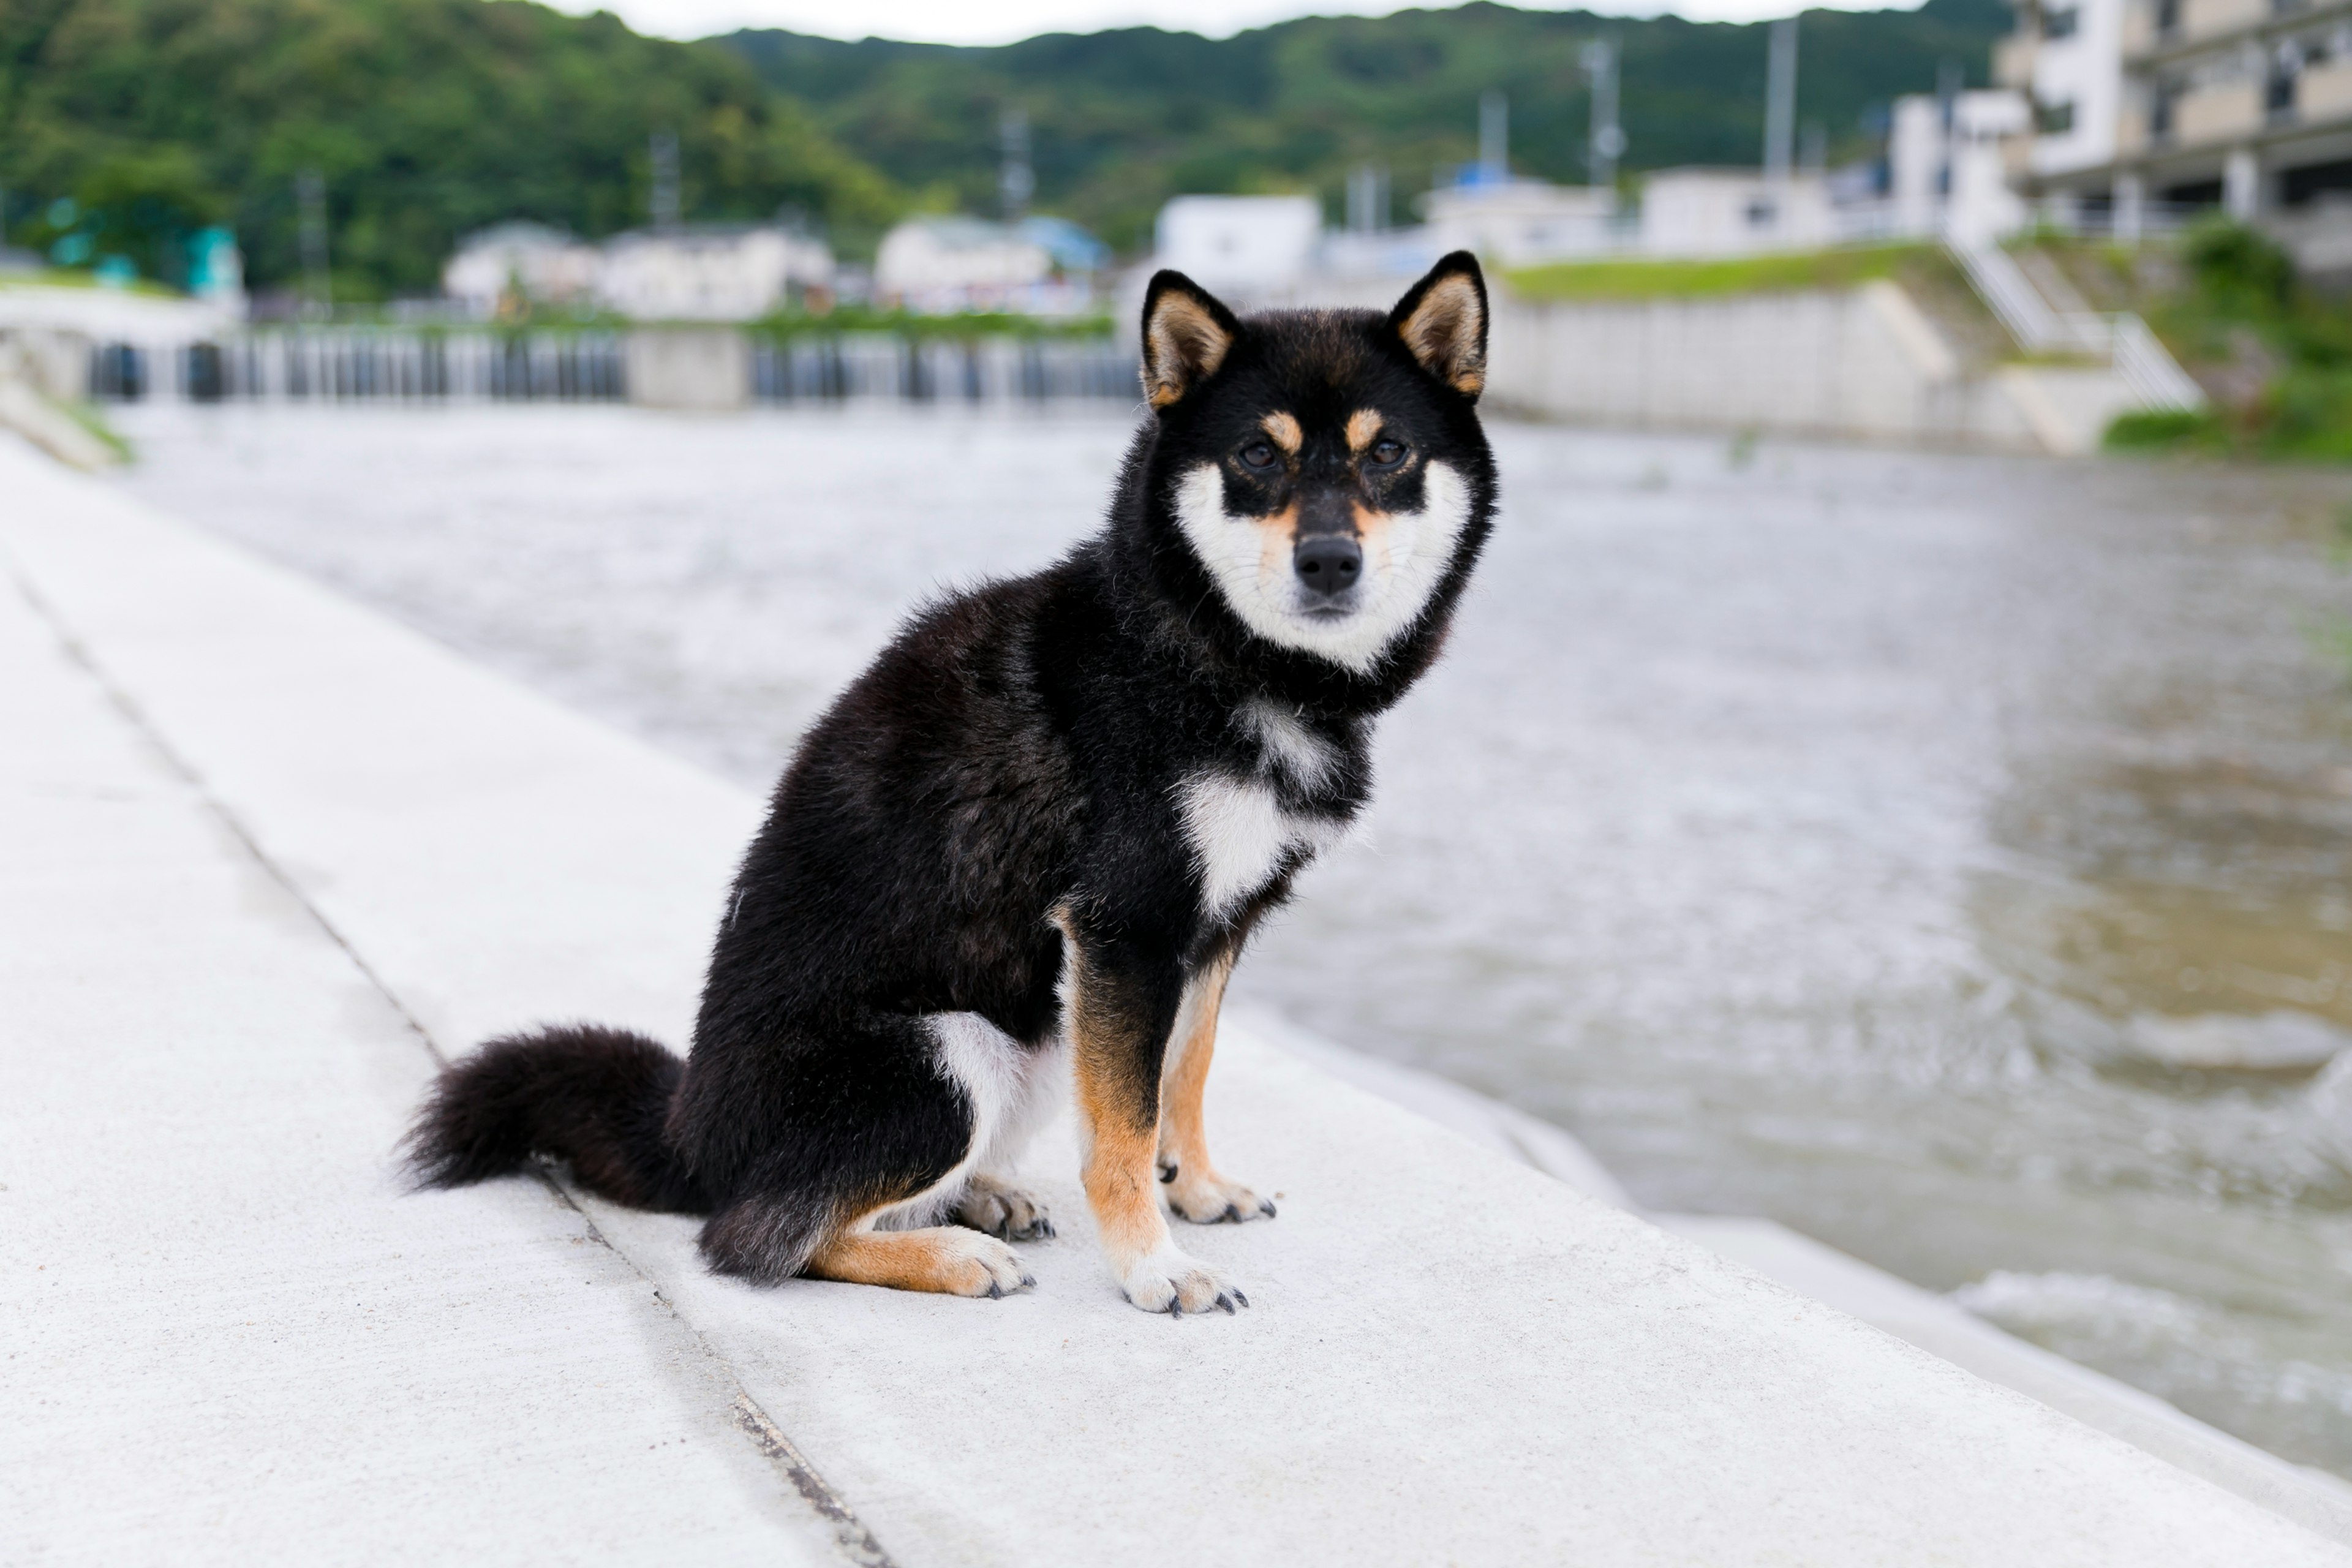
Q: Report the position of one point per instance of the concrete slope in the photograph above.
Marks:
(1451, 1357)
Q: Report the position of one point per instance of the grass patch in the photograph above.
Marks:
(71, 278)
(2164, 430)
(1786, 272)
(784, 325)
(94, 423)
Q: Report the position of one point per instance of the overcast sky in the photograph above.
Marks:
(1001, 22)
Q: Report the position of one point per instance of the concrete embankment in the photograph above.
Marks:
(1856, 364)
(266, 855)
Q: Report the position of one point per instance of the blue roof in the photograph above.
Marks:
(1072, 247)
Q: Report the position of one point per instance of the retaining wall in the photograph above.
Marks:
(1864, 362)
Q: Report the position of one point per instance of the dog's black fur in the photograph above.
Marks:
(1001, 787)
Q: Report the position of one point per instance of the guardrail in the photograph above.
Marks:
(379, 364)
(2120, 338)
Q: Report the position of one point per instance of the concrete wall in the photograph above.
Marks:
(1864, 362)
(689, 367)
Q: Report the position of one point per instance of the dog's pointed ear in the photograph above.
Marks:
(1187, 334)
(1442, 320)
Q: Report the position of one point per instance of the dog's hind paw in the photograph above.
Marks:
(1007, 1212)
(1207, 1198)
(986, 1267)
(1169, 1281)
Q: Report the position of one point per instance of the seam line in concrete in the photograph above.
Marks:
(851, 1537)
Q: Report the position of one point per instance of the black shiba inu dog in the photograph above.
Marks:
(1034, 836)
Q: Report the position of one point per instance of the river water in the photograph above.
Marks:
(1950, 857)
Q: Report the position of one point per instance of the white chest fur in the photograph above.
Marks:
(1240, 835)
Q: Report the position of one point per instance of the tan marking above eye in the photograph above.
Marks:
(1285, 431)
(1363, 425)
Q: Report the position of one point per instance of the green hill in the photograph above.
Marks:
(128, 123)
(1120, 121)
(428, 118)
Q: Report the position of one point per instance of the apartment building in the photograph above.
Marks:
(2241, 104)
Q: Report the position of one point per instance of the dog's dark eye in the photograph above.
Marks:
(1387, 454)
(1257, 454)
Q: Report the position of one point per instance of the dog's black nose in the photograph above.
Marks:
(1328, 564)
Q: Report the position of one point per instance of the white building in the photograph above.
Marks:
(1951, 175)
(531, 259)
(1733, 211)
(2074, 75)
(1037, 266)
(708, 272)
(1250, 247)
(1519, 223)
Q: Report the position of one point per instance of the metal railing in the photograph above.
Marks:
(2119, 338)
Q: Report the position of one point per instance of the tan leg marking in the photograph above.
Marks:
(945, 1258)
(1195, 1190)
(1117, 1129)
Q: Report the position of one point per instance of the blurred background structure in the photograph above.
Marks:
(1944, 853)
(2037, 229)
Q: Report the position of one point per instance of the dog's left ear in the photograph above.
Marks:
(1187, 333)
(1442, 320)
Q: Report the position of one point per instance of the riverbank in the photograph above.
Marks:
(273, 855)
(1925, 918)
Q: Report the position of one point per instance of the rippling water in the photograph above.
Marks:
(1949, 857)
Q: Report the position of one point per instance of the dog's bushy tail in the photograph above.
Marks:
(595, 1097)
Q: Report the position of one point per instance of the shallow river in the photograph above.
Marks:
(1949, 857)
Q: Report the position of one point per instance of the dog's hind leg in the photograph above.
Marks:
(993, 1198)
(869, 1144)
(948, 1258)
(1194, 1189)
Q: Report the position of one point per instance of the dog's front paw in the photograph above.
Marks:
(1009, 1213)
(1206, 1197)
(1168, 1281)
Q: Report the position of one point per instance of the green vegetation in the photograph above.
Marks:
(1121, 121)
(2274, 355)
(69, 278)
(2160, 429)
(785, 325)
(91, 421)
(1777, 274)
(126, 123)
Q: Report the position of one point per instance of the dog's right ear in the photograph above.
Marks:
(1186, 336)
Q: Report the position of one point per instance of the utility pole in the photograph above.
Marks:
(1368, 199)
(1493, 137)
(1016, 182)
(664, 202)
(1607, 143)
(310, 209)
(1780, 101)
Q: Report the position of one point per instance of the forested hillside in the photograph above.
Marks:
(428, 118)
(1120, 121)
(129, 121)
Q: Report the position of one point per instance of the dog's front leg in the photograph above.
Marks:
(1196, 1191)
(1121, 1003)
